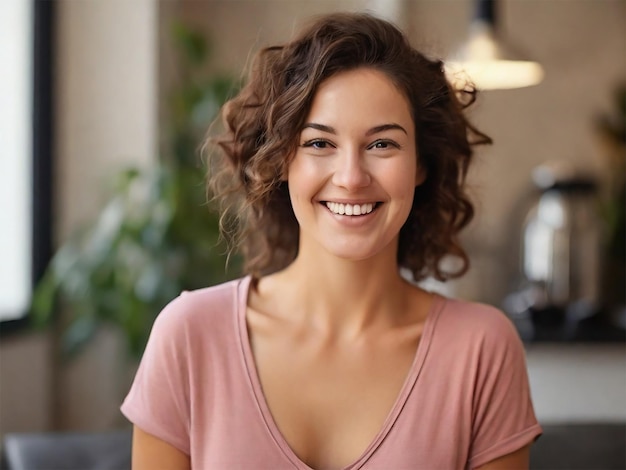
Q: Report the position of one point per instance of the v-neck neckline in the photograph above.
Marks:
(421, 352)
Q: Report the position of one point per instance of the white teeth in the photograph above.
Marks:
(350, 209)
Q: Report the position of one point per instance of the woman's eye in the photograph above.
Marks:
(316, 144)
(383, 145)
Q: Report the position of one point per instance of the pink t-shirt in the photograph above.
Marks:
(465, 401)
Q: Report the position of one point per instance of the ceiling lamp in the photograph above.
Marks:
(487, 60)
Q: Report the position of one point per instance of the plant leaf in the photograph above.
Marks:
(190, 43)
(43, 300)
(78, 334)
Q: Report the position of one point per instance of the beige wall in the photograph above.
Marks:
(26, 383)
(106, 103)
(106, 119)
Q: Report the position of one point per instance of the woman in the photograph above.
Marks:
(343, 163)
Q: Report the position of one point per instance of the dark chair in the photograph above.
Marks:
(600, 446)
(572, 446)
(68, 451)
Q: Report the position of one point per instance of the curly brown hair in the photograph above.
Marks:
(263, 123)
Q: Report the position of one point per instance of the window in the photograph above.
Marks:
(25, 151)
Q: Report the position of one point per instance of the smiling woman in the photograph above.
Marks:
(357, 150)
(343, 161)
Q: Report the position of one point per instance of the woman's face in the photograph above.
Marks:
(355, 170)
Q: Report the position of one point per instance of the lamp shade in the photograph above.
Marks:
(486, 58)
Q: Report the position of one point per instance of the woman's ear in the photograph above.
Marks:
(420, 175)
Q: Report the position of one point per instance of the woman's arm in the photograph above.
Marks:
(152, 453)
(518, 460)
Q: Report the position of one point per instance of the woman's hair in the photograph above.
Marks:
(263, 124)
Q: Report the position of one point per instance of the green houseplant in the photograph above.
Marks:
(156, 236)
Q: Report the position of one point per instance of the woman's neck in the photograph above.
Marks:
(339, 296)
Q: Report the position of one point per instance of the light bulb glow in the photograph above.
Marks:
(495, 74)
(490, 63)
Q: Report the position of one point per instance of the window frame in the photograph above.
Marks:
(42, 148)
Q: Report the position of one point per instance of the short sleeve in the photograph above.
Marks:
(158, 401)
(503, 417)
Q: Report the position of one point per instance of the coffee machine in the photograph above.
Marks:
(560, 252)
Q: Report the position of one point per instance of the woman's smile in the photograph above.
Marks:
(348, 209)
(352, 215)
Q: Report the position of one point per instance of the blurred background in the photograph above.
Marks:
(129, 87)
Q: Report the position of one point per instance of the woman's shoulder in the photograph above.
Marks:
(472, 309)
(216, 304)
(477, 338)
(208, 298)
(476, 322)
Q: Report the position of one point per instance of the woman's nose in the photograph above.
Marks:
(350, 171)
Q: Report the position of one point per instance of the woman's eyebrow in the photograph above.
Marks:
(373, 130)
(319, 127)
(386, 127)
